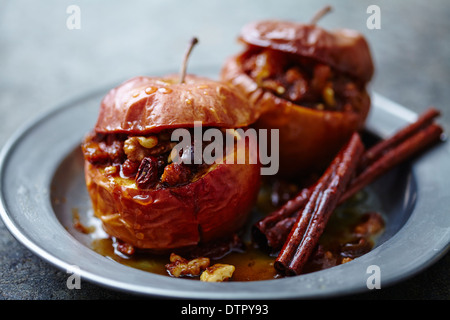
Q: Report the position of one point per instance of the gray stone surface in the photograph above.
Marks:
(44, 64)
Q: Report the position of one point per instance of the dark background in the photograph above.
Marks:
(44, 64)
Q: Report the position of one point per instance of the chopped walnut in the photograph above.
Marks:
(136, 148)
(182, 267)
(328, 96)
(218, 273)
(111, 170)
(371, 223)
(148, 142)
(123, 247)
(346, 259)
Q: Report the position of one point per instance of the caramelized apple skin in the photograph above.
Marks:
(144, 105)
(215, 205)
(309, 138)
(307, 82)
(157, 212)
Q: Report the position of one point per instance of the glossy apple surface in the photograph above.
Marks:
(145, 105)
(309, 138)
(216, 205)
(344, 49)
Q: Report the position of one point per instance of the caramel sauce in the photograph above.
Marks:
(150, 263)
(165, 90)
(150, 90)
(253, 263)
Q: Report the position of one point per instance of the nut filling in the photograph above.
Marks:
(146, 159)
(302, 80)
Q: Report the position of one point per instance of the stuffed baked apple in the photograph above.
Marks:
(307, 82)
(144, 198)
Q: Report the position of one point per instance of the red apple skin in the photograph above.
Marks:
(144, 105)
(309, 138)
(214, 206)
(343, 49)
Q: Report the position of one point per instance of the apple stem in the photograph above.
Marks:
(320, 14)
(192, 43)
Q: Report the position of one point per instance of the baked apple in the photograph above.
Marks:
(142, 196)
(307, 82)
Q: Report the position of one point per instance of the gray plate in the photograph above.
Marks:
(41, 164)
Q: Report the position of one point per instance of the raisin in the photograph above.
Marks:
(147, 175)
(130, 168)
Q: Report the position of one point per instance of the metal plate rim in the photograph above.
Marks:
(180, 288)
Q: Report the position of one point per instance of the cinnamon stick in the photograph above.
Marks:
(324, 198)
(375, 152)
(272, 230)
(414, 144)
